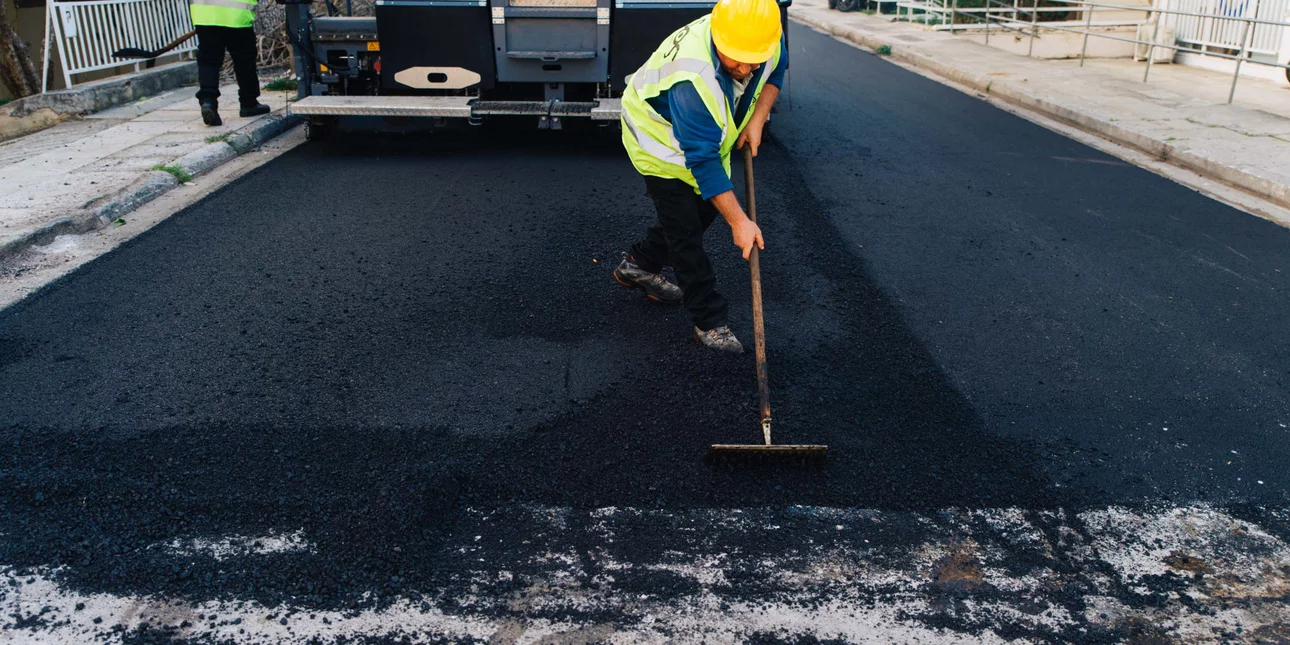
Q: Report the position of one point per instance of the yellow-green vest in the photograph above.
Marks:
(222, 13)
(686, 55)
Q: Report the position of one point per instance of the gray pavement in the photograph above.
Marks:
(52, 181)
(1181, 115)
(34, 113)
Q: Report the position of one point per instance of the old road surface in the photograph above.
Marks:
(388, 392)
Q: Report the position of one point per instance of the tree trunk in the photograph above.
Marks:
(16, 69)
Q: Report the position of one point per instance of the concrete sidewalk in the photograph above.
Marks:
(1180, 116)
(83, 174)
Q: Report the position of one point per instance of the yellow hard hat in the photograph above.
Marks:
(746, 30)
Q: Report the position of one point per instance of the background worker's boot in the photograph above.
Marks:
(210, 113)
(255, 109)
(719, 338)
(655, 286)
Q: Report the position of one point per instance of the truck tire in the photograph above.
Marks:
(848, 5)
(833, 4)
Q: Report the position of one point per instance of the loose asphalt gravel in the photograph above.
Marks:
(373, 345)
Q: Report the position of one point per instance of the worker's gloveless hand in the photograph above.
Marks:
(751, 136)
(746, 235)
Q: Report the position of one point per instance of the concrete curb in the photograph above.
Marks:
(102, 211)
(205, 158)
(41, 111)
(1087, 121)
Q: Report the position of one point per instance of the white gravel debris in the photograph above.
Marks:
(822, 589)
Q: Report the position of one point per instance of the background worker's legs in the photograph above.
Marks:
(676, 239)
(212, 42)
(242, 48)
(210, 57)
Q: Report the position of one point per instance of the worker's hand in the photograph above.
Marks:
(751, 137)
(746, 235)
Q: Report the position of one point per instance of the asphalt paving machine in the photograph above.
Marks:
(418, 63)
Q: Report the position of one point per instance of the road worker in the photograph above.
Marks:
(226, 25)
(706, 90)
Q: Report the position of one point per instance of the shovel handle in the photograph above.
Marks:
(759, 326)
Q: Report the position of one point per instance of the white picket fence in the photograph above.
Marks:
(86, 33)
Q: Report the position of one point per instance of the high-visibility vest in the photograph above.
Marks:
(222, 13)
(684, 56)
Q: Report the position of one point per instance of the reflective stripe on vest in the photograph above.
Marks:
(670, 154)
(222, 13)
(684, 56)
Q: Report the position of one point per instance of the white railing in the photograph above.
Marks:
(1235, 30)
(86, 33)
(1204, 33)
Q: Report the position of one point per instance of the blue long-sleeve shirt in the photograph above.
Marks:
(694, 128)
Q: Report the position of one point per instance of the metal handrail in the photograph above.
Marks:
(1102, 5)
(1145, 42)
(1175, 12)
(1154, 14)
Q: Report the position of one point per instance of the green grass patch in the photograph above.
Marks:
(178, 172)
(219, 137)
(283, 84)
(3, 101)
(884, 50)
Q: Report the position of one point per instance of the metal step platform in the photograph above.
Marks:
(451, 107)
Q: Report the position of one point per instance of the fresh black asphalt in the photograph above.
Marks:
(363, 339)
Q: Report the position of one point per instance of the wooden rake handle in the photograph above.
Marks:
(759, 326)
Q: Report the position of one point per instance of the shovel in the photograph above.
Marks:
(136, 52)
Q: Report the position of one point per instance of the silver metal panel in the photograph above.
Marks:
(447, 107)
(337, 26)
(551, 28)
(660, 4)
(550, 12)
(608, 110)
(551, 56)
(553, 3)
(432, 3)
(428, 106)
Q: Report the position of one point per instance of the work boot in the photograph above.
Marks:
(255, 109)
(210, 113)
(719, 338)
(655, 286)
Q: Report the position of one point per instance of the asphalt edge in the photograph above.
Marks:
(102, 211)
(1104, 127)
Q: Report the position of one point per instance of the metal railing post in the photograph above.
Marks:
(1088, 28)
(954, 15)
(1151, 49)
(987, 22)
(44, 75)
(1034, 21)
(1245, 41)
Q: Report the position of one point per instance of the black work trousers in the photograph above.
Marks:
(676, 240)
(240, 44)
